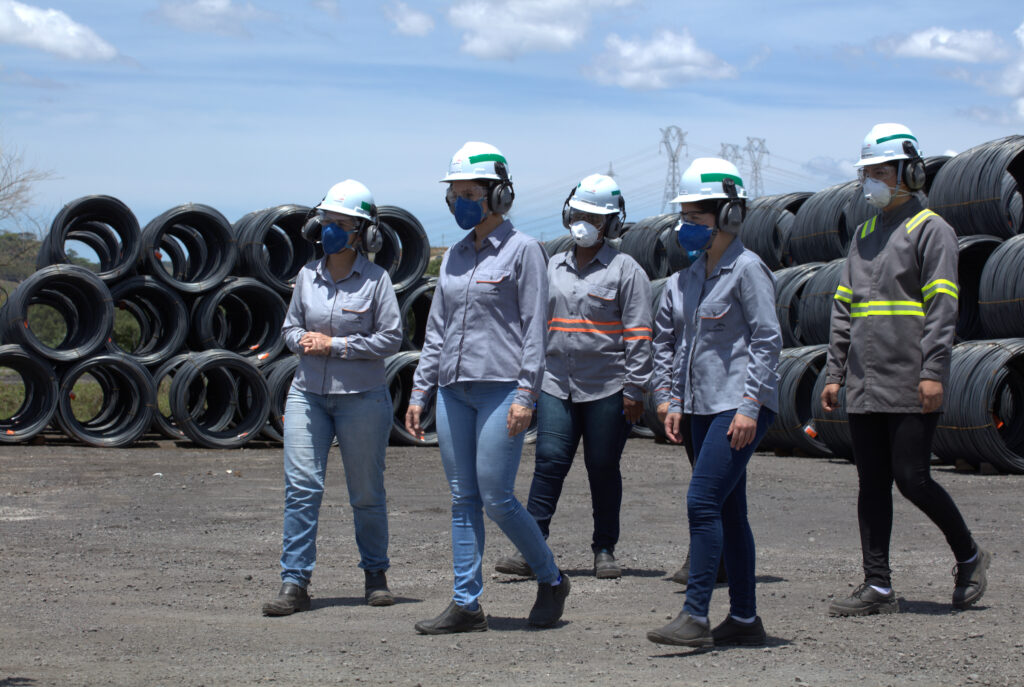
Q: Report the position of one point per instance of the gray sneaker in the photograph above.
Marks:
(683, 631)
(971, 580)
(514, 565)
(865, 600)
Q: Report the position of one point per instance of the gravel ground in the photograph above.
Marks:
(148, 566)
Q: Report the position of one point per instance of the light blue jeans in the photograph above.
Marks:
(362, 424)
(480, 461)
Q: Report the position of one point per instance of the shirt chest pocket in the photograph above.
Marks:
(717, 317)
(356, 314)
(492, 284)
(601, 301)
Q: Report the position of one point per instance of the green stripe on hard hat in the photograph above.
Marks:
(895, 136)
(365, 206)
(721, 176)
(487, 157)
(616, 193)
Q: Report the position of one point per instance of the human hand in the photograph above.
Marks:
(929, 392)
(315, 343)
(741, 431)
(830, 397)
(633, 410)
(518, 418)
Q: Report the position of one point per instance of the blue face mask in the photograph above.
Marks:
(693, 237)
(333, 238)
(468, 213)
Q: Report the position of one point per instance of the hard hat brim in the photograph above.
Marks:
(584, 206)
(698, 197)
(469, 176)
(879, 159)
(341, 210)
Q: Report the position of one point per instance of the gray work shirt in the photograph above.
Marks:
(599, 327)
(359, 313)
(487, 317)
(726, 336)
(894, 313)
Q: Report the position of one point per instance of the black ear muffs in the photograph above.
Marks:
(501, 194)
(613, 223)
(370, 237)
(914, 174)
(733, 211)
(566, 210)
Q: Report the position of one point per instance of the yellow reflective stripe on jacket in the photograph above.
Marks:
(868, 308)
(938, 286)
(868, 226)
(844, 294)
(869, 313)
(916, 221)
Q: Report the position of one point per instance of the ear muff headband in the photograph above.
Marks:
(733, 210)
(914, 174)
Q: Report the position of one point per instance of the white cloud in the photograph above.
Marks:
(410, 22)
(1012, 83)
(216, 16)
(831, 170)
(327, 6)
(937, 43)
(667, 60)
(52, 31)
(503, 29)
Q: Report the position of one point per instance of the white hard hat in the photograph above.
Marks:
(704, 178)
(884, 143)
(351, 198)
(475, 160)
(598, 194)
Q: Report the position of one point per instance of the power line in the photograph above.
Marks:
(732, 153)
(673, 139)
(756, 150)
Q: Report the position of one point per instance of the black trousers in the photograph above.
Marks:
(897, 447)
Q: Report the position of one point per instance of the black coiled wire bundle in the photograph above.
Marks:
(768, 224)
(815, 307)
(974, 254)
(794, 430)
(832, 428)
(789, 288)
(984, 402)
(645, 242)
(1001, 290)
(978, 190)
(820, 231)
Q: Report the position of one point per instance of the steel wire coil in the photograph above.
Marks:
(768, 224)
(126, 407)
(39, 394)
(234, 386)
(1001, 291)
(975, 191)
(279, 376)
(103, 223)
(559, 244)
(204, 248)
(974, 252)
(414, 246)
(983, 417)
(833, 428)
(160, 313)
(644, 243)
(794, 430)
(244, 316)
(164, 424)
(271, 248)
(820, 232)
(80, 298)
(789, 287)
(815, 306)
(398, 374)
(414, 308)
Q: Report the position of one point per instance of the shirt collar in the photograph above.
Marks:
(358, 267)
(728, 259)
(897, 216)
(605, 255)
(495, 238)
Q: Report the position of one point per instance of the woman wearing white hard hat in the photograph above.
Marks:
(484, 355)
(893, 323)
(342, 322)
(721, 313)
(598, 365)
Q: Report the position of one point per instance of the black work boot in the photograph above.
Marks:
(971, 580)
(377, 592)
(291, 599)
(682, 576)
(685, 630)
(605, 566)
(454, 619)
(514, 565)
(731, 632)
(550, 603)
(865, 600)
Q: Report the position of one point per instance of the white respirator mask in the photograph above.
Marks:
(583, 233)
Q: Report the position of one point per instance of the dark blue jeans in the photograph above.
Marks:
(716, 504)
(603, 428)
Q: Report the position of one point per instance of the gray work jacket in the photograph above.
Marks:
(726, 336)
(599, 327)
(487, 319)
(359, 313)
(894, 313)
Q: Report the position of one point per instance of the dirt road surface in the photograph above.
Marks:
(148, 566)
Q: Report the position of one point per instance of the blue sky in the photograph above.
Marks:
(247, 104)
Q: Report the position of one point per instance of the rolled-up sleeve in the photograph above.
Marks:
(664, 345)
(757, 290)
(386, 337)
(637, 332)
(532, 291)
